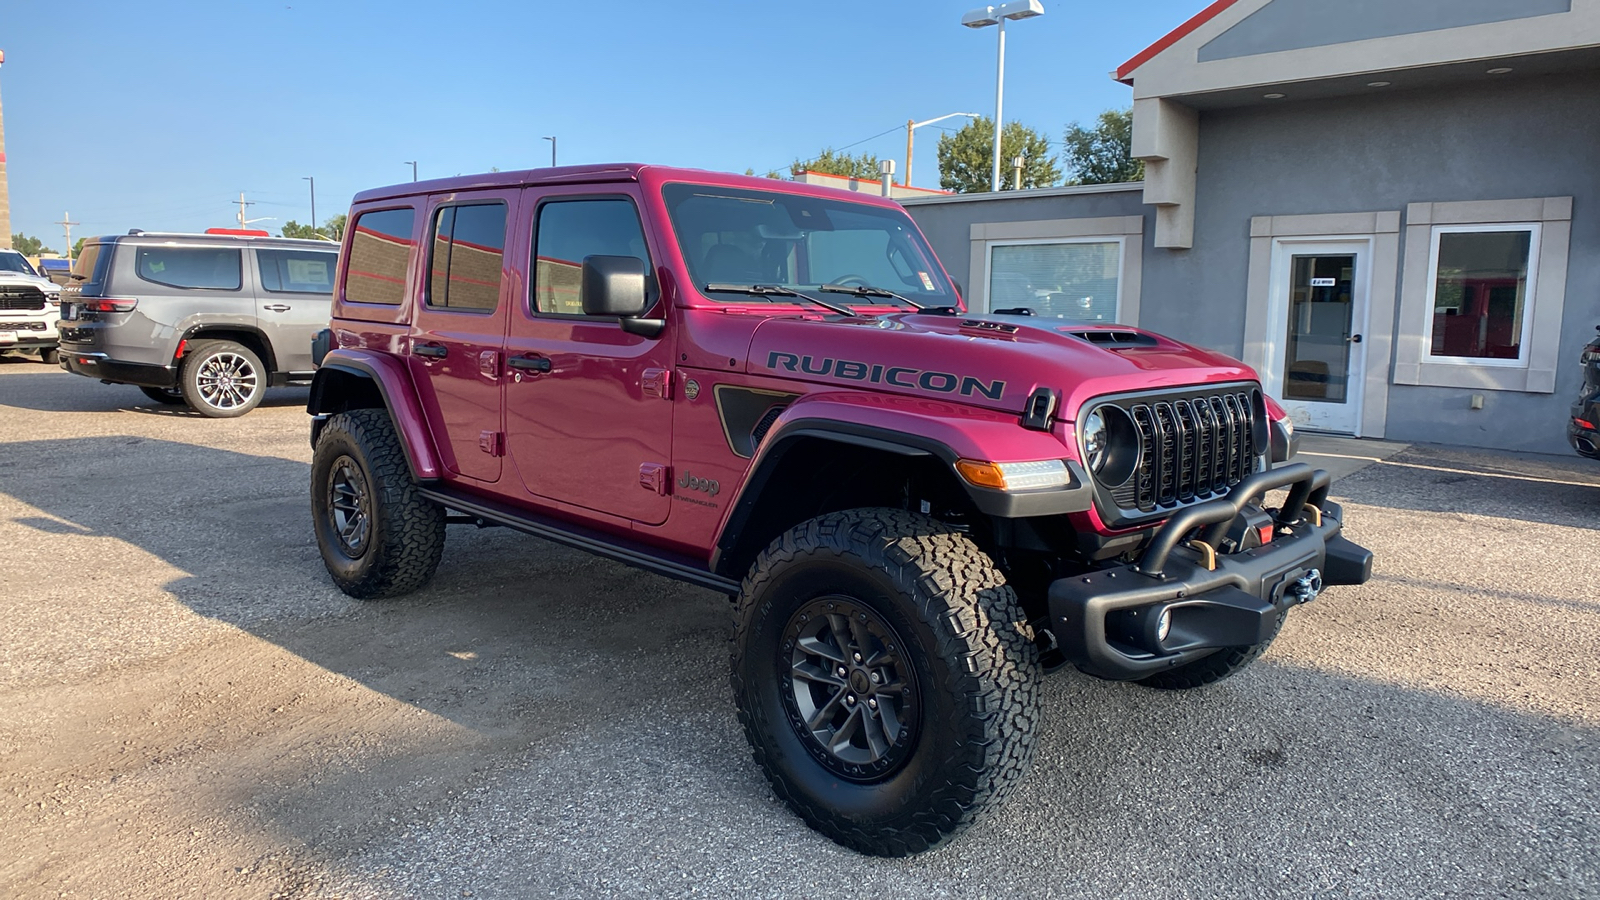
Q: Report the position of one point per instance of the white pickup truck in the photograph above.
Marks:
(30, 307)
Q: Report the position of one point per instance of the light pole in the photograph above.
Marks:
(552, 140)
(413, 164)
(997, 15)
(911, 128)
(313, 203)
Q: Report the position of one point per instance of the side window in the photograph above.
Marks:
(468, 246)
(568, 231)
(380, 249)
(207, 268)
(297, 271)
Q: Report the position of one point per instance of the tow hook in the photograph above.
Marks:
(1307, 587)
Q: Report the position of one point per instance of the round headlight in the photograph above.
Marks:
(1094, 441)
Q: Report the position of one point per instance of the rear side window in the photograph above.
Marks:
(468, 246)
(380, 250)
(196, 268)
(297, 271)
(87, 271)
(568, 231)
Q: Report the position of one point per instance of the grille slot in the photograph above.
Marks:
(21, 296)
(21, 326)
(1191, 448)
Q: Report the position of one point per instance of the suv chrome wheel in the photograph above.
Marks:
(852, 699)
(227, 380)
(222, 379)
(348, 506)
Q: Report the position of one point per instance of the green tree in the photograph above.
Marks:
(1102, 154)
(28, 246)
(332, 229)
(77, 247)
(771, 173)
(967, 156)
(833, 162)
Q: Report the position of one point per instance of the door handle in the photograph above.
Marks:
(276, 307)
(436, 351)
(1354, 339)
(530, 363)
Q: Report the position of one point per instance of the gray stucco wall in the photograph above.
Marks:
(1527, 138)
(1296, 24)
(948, 223)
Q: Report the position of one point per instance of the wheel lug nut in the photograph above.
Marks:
(873, 703)
(842, 672)
(858, 657)
(850, 699)
(876, 678)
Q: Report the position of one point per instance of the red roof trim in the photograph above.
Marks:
(1176, 35)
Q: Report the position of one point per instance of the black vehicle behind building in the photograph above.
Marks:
(1584, 430)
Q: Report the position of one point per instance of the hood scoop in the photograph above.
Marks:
(1108, 337)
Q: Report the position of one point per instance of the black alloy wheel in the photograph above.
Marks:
(852, 697)
(349, 507)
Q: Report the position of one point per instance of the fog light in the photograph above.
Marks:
(1164, 625)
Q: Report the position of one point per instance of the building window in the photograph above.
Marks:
(1483, 279)
(465, 262)
(380, 250)
(1078, 280)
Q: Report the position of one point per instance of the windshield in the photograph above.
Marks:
(12, 261)
(741, 237)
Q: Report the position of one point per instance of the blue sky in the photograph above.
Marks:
(156, 114)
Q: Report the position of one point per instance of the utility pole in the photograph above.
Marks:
(413, 164)
(552, 140)
(66, 224)
(5, 195)
(242, 205)
(313, 204)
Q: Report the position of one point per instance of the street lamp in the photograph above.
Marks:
(313, 202)
(413, 164)
(997, 15)
(911, 128)
(552, 141)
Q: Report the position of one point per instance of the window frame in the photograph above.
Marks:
(255, 254)
(430, 237)
(652, 289)
(1122, 259)
(1530, 294)
(140, 249)
(346, 257)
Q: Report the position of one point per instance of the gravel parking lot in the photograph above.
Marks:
(188, 708)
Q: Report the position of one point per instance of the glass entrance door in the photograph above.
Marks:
(1323, 311)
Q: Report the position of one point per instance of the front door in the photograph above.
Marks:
(459, 326)
(588, 405)
(1319, 314)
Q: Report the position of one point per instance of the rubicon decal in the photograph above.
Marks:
(899, 376)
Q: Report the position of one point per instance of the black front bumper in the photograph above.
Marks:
(96, 365)
(1108, 623)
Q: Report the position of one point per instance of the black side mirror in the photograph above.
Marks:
(619, 286)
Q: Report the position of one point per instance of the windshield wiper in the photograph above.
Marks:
(870, 291)
(774, 290)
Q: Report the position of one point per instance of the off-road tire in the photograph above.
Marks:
(202, 375)
(964, 633)
(50, 356)
(1212, 669)
(165, 396)
(404, 534)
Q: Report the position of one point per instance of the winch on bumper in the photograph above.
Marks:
(1180, 603)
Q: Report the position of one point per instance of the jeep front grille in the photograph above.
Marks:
(21, 296)
(1190, 448)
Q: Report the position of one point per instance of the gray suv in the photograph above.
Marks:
(211, 320)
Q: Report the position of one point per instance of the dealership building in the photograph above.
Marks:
(1390, 208)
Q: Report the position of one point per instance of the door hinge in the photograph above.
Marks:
(658, 382)
(492, 442)
(655, 477)
(489, 363)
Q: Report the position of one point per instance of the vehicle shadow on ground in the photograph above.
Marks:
(1549, 490)
(56, 390)
(598, 744)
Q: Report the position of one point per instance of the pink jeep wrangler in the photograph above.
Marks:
(774, 391)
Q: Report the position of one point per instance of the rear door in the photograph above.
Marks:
(294, 289)
(459, 327)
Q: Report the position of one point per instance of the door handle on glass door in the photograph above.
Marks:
(276, 307)
(529, 363)
(1354, 339)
